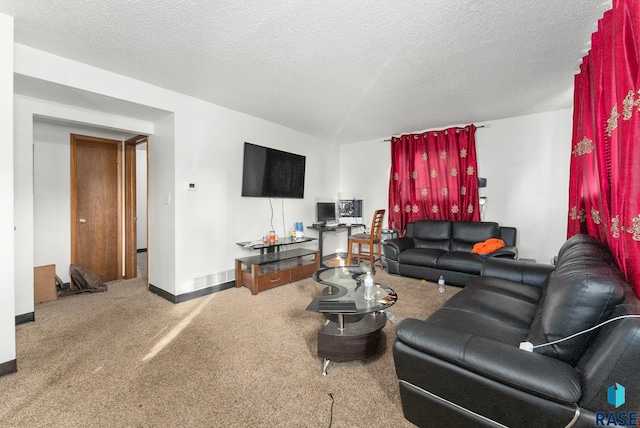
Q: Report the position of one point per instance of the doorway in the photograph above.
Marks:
(135, 210)
(96, 205)
(104, 220)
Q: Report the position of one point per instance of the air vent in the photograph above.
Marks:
(213, 279)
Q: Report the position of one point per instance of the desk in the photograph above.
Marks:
(322, 229)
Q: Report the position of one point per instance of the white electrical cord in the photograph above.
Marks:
(528, 346)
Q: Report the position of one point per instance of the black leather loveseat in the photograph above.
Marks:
(462, 366)
(434, 248)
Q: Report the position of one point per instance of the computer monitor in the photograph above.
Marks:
(326, 212)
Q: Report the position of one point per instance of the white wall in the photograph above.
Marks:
(52, 191)
(215, 216)
(526, 162)
(191, 234)
(364, 172)
(23, 206)
(33, 136)
(7, 262)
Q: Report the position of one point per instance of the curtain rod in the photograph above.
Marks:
(457, 127)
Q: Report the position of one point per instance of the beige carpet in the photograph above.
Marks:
(127, 357)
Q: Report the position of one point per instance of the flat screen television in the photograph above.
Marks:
(326, 212)
(271, 173)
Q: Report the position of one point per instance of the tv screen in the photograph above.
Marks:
(271, 173)
(325, 212)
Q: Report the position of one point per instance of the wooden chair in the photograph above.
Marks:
(372, 239)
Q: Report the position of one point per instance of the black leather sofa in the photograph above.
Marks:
(434, 248)
(462, 365)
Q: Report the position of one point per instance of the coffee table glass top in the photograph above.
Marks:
(345, 292)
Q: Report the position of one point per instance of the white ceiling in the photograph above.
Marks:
(342, 70)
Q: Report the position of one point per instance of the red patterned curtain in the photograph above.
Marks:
(434, 175)
(604, 187)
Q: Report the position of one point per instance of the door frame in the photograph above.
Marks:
(130, 206)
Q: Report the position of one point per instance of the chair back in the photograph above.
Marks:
(376, 225)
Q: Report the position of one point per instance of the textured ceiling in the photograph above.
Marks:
(341, 70)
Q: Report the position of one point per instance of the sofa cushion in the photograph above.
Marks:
(460, 262)
(477, 324)
(508, 235)
(420, 257)
(467, 233)
(508, 309)
(442, 245)
(432, 230)
(580, 293)
(613, 354)
(584, 248)
(488, 312)
(518, 290)
(577, 245)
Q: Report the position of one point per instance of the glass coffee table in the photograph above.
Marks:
(353, 330)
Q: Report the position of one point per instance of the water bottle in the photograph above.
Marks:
(441, 284)
(369, 292)
(391, 317)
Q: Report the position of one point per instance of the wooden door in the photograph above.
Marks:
(96, 205)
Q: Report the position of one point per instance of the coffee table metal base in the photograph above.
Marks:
(351, 337)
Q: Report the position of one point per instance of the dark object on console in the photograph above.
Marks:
(431, 248)
(337, 306)
(462, 366)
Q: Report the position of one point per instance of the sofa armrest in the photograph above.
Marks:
(504, 363)
(508, 235)
(393, 247)
(517, 270)
(507, 252)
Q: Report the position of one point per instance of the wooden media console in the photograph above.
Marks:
(269, 270)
